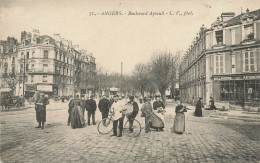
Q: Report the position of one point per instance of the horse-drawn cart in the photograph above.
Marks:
(9, 102)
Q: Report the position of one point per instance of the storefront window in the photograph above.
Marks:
(252, 90)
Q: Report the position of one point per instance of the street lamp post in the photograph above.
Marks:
(23, 73)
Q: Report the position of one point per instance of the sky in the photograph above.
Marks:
(113, 39)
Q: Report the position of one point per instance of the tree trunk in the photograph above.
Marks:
(163, 97)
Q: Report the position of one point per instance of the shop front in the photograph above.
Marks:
(242, 90)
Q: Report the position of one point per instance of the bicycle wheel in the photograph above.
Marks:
(105, 126)
(135, 131)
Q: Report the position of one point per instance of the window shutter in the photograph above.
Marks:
(255, 60)
(243, 61)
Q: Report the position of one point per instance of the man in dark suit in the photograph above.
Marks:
(104, 105)
(134, 113)
(91, 107)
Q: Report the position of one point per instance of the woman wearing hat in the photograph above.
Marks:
(198, 110)
(151, 120)
(179, 120)
(159, 110)
(77, 118)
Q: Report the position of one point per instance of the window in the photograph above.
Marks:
(252, 92)
(32, 78)
(67, 59)
(219, 37)
(44, 78)
(219, 67)
(46, 53)
(13, 69)
(33, 54)
(21, 68)
(27, 55)
(249, 61)
(13, 60)
(45, 67)
(32, 67)
(26, 67)
(60, 56)
(249, 31)
(56, 55)
(64, 58)
(21, 54)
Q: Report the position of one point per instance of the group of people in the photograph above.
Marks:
(152, 112)
(77, 109)
(199, 106)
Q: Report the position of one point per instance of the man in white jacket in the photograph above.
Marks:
(116, 109)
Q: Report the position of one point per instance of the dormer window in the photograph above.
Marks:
(219, 37)
(249, 31)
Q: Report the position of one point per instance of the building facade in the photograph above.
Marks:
(230, 60)
(49, 64)
(8, 65)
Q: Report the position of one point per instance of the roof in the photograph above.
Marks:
(237, 19)
(41, 40)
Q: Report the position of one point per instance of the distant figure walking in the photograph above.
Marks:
(198, 110)
(77, 119)
(212, 104)
(179, 120)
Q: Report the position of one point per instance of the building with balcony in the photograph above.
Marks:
(49, 64)
(8, 65)
(227, 67)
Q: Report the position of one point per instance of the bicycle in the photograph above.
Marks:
(105, 126)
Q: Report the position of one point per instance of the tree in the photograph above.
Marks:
(141, 77)
(163, 69)
(11, 80)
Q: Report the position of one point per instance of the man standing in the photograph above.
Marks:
(104, 105)
(134, 113)
(41, 110)
(116, 109)
(91, 107)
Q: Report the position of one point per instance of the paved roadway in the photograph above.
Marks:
(205, 140)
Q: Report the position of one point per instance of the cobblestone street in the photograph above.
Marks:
(205, 140)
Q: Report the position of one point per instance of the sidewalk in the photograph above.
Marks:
(231, 114)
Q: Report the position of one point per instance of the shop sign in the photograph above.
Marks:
(45, 88)
(236, 77)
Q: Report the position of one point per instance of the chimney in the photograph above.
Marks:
(57, 37)
(225, 16)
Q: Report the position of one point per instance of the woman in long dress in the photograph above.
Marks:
(159, 110)
(151, 120)
(179, 120)
(77, 118)
(198, 110)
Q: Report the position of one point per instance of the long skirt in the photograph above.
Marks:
(155, 121)
(179, 123)
(77, 118)
(40, 114)
(198, 112)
